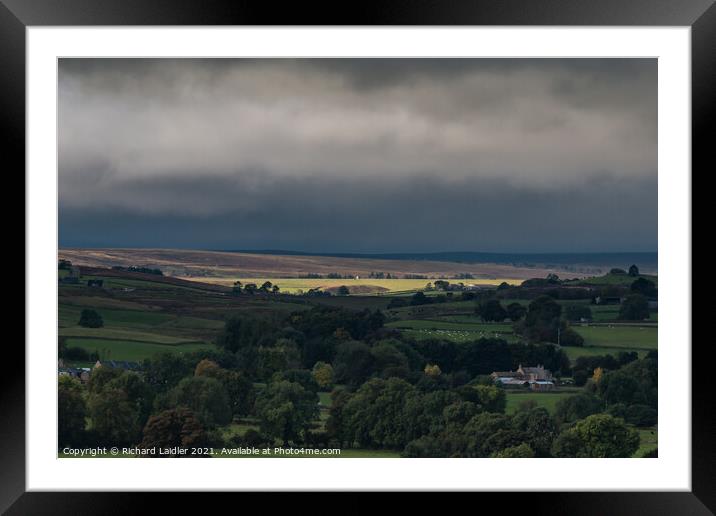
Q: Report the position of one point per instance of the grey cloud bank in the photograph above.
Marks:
(359, 155)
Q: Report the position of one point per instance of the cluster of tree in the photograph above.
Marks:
(264, 346)
(202, 397)
(317, 292)
(635, 307)
(175, 403)
(481, 357)
(628, 390)
(251, 288)
(491, 310)
(391, 413)
(116, 403)
(425, 398)
(74, 353)
(64, 265)
(419, 298)
(543, 322)
(585, 366)
(469, 421)
(134, 268)
(633, 271)
(430, 419)
(358, 347)
(381, 275)
(90, 319)
(550, 280)
(645, 287)
(446, 286)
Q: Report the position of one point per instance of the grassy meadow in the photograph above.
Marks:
(548, 400)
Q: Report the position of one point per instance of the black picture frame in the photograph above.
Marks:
(700, 15)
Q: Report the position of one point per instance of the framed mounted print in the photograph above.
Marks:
(417, 250)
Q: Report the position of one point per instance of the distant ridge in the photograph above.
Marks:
(642, 259)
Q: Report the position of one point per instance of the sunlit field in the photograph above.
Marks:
(370, 286)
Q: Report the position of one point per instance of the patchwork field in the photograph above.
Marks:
(457, 321)
(148, 318)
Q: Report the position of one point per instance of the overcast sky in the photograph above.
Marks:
(359, 155)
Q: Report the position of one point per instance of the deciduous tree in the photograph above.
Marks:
(90, 319)
(177, 427)
(286, 410)
(598, 435)
(71, 411)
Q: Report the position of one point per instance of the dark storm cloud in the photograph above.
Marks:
(356, 214)
(359, 155)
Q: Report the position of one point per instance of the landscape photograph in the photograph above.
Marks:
(357, 258)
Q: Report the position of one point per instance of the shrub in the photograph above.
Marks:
(599, 435)
(90, 319)
(641, 415)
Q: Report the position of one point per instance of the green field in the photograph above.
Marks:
(452, 330)
(140, 322)
(547, 400)
(574, 353)
(614, 279)
(599, 340)
(433, 324)
(133, 351)
(628, 337)
(457, 321)
(108, 333)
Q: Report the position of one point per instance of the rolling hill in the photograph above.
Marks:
(226, 264)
